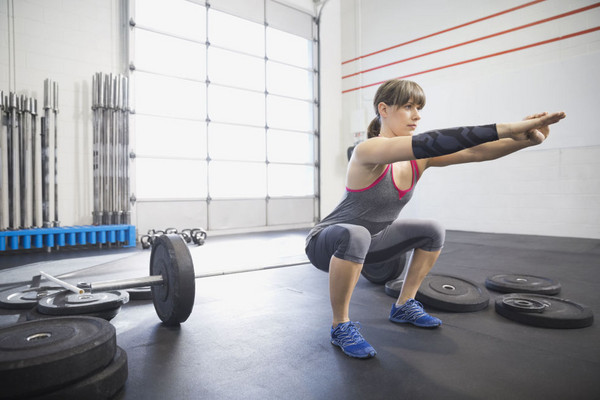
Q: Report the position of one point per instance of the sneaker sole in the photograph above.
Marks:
(370, 355)
(416, 324)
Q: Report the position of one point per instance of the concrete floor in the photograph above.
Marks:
(265, 334)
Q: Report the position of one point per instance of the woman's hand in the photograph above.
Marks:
(534, 128)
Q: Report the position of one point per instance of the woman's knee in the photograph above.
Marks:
(436, 233)
(353, 243)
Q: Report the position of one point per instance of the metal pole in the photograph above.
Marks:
(27, 178)
(15, 184)
(45, 173)
(55, 112)
(48, 160)
(116, 150)
(36, 147)
(108, 149)
(4, 210)
(126, 209)
(95, 148)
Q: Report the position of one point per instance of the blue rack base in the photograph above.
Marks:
(123, 235)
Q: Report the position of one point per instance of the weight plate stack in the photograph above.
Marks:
(544, 311)
(103, 384)
(41, 356)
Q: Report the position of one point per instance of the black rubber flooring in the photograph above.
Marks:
(265, 334)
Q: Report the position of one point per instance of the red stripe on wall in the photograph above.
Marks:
(446, 30)
(556, 39)
(595, 5)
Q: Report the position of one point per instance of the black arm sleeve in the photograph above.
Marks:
(447, 141)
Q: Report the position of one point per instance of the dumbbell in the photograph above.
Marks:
(172, 280)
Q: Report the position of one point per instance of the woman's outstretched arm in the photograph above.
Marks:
(383, 150)
(495, 149)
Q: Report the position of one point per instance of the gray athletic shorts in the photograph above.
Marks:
(355, 243)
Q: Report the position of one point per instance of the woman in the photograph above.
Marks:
(381, 176)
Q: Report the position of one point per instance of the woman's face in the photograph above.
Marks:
(399, 120)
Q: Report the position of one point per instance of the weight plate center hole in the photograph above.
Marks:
(523, 303)
(448, 287)
(38, 336)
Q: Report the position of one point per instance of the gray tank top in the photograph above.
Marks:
(374, 207)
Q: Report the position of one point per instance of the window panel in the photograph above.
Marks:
(160, 95)
(168, 137)
(289, 81)
(235, 69)
(287, 113)
(235, 33)
(233, 142)
(229, 179)
(291, 180)
(288, 48)
(168, 55)
(236, 106)
(178, 17)
(170, 179)
(290, 147)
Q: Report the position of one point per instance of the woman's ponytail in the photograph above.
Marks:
(374, 128)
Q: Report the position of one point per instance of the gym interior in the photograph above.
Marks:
(164, 161)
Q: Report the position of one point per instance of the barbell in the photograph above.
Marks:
(172, 280)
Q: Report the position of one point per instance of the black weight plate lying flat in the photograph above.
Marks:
(557, 313)
(34, 314)
(24, 297)
(452, 293)
(69, 303)
(43, 355)
(380, 273)
(102, 385)
(511, 283)
(174, 299)
(393, 288)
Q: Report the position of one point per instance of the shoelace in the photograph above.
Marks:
(414, 311)
(349, 334)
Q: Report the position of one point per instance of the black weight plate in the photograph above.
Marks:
(174, 299)
(524, 305)
(24, 297)
(44, 355)
(34, 314)
(69, 303)
(102, 385)
(452, 293)
(140, 293)
(380, 273)
(393, 288)
(558, 313)
(514, 283)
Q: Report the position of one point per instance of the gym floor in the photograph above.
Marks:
(265, 334)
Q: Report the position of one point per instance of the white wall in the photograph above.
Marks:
(67, 41)
(552, 189)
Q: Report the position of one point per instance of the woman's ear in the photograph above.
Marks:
(382, 108)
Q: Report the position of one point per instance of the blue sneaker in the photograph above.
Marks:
(412, 312)
(347, 337)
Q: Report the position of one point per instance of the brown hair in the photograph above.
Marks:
(395, 92)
